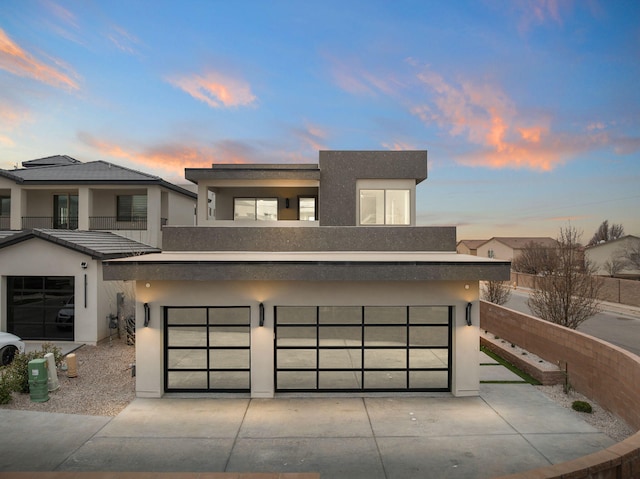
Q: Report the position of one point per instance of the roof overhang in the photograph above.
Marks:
(306, 266)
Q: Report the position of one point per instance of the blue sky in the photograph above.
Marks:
(530, 110)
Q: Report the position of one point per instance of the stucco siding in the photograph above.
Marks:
(150, 340)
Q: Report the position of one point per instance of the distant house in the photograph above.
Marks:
(469, 246)
(509, 248)
(308, 278)
(59, 219)
(609, 257)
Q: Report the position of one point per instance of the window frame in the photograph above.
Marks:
(255, 207)
(315, 207)
(131, 216)
(385, 207)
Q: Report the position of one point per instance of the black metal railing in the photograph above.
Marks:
(5, 222)
(49, 222)
(113, 223)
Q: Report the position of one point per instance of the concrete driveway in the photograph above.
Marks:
(509, 428)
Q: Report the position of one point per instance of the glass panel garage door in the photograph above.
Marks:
(207, 349)
(41, 307)
(370, 348)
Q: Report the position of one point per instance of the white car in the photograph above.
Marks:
(10, 344)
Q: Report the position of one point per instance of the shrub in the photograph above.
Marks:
(582, 406)
(16, 375)
(5, 390)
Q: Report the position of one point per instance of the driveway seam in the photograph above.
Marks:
(375, 439)
(235, 439)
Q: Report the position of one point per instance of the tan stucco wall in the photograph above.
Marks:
(500, 250)
(149, 340)
(600, 254)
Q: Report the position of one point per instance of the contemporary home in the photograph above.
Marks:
(308, 278)
(611, 257)
(60, 219)
(510, 248)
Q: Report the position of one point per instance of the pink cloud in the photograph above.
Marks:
(215, 89)
(486, 117)
(540, 12)
(312, 136)
(17, 61)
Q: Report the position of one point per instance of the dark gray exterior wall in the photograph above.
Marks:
(339, 171)
(254, 172)
(325, 238)
(306, 271)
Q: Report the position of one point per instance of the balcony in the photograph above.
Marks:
(5, 223)
(96, 223)
(49, 222)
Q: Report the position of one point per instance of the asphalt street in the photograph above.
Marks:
(615, 327)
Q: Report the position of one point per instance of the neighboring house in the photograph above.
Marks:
(609, 257)
(59, 219)
(51, 283)
(510, 248)
(308, 278)
(60, 192)
(469, 246)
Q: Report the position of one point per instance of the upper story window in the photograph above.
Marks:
(5, 205)
(257, 209)
(132, 207)
(307, 208)
(385, 207)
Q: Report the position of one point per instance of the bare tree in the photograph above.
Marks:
(632, 256)
(614, 265)
(606, 232)
(534, 259)
(567, 294)
(497, 292)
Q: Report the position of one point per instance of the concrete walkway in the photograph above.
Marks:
(509, 428)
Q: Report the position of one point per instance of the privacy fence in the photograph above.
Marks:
(601, 371)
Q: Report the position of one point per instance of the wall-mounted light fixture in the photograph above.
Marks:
(147, 314)
(261, 307)
(468, 314)
(286, 202)
(84, 265)
(466, 286)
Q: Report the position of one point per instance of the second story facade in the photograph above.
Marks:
(349, 200)
(60, 192)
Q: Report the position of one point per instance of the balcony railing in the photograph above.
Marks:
(113, 223)
(5, 222)
(96, 223)
(49, 222)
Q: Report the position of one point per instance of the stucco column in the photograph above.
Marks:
(18, 207)
(154, 203)
(84, 207)
(203, 204)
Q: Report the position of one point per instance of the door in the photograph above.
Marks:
(207, 349)
(363, 348)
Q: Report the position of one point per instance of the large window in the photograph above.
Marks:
(385, 207)
(307, 209)
(132, 207)
(41, 307)
(65, 211)
(255, 209)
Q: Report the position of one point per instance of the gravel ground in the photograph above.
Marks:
(104, 387)
(602, 420)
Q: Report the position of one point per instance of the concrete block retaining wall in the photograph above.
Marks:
(601, 371)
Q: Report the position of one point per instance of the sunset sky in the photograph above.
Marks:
(530, 110)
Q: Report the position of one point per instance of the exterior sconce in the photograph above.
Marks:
(286, 203)
(468, 314)
(466, 286)
(147, 314)
(84, 265)
(261, 323)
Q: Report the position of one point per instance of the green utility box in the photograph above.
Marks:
(38, 380)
